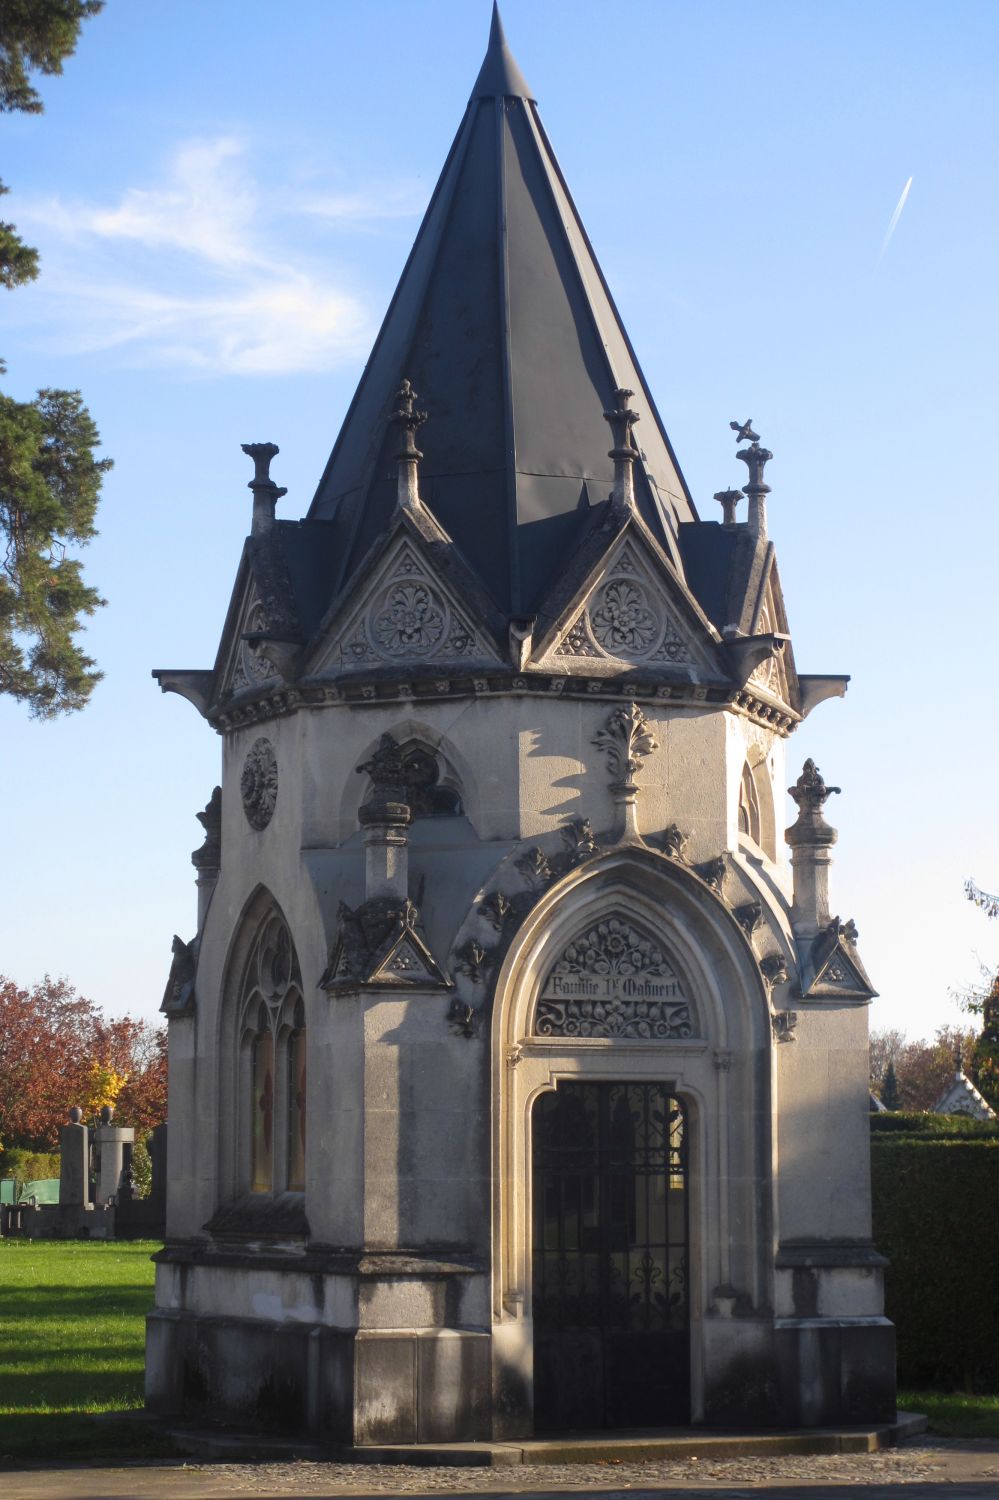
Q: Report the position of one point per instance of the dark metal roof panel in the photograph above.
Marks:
(504, 324)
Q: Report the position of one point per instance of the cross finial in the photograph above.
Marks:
(622, 419)
(407, 419)
(756, 459)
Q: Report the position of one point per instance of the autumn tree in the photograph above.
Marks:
(921, 1069)
(57, 1049)
(50, 480)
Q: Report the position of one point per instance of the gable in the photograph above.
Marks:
(632, 612)
(776, 675)
(402, 613)
(836, 971)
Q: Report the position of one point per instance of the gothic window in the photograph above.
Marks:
(272, 1031)
(296, 1103)
(749, 806)
(429, 792)
(756, 808)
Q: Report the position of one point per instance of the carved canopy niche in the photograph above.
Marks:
(617, 982)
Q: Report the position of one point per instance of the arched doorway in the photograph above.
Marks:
(610, 1257)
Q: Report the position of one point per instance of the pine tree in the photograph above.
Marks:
(889, 1088)
(49, 478)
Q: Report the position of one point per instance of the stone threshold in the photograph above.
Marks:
(231, 1446)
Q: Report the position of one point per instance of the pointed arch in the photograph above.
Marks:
(757, 814)
(708, 1045)
(262, 1048)
(455, 781)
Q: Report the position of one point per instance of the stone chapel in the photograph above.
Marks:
(518, 1082)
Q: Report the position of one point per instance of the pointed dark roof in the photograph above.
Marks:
(499, 77)
(503, 322)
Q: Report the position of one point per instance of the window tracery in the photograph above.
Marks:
(272, 1033)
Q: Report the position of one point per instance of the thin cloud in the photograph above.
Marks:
(203, 269)
(893, 222)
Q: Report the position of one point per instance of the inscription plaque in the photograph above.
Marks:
(613, 981)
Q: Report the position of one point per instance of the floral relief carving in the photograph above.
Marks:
(626, 740)
(254, 663)
(258, 784)
(624, 619)
(410, 620)
(622, 622)
(613, 982)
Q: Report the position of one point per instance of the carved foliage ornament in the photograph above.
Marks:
(613, 982)
(258, 785)
(626, 740)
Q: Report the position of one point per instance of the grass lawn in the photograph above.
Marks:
(72, 1324)
(955, 1414)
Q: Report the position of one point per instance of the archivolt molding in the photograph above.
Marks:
(688, 931)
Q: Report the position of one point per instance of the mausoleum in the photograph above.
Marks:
(518, 1081)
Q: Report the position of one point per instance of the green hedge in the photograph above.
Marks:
(936, 1218)
(901, 1122)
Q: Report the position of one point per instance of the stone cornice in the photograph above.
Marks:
(278, 702)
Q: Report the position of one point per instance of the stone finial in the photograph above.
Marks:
(266, 493)
(810, 791)
(209, 855)
(407, 420)
(75, 1115)
(626, 740)
(728, 500)
(810, 838)
(622, 419)
(756, 459)
(385, 816)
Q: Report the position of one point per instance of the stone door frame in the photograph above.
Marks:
(722, 1058)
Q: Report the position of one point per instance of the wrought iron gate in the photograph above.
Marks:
(610, 1252)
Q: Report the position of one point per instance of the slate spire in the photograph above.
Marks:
(499, 77)
(503, 322)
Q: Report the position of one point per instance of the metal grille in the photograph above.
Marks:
(610, 1252)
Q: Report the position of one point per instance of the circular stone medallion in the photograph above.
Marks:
(258, 784)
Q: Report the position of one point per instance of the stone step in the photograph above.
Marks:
(230, 1445)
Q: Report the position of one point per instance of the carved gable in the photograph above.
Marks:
(771, 675)
(613, 981)
(833, 970)
(246, 667)
(627, 618)
(403, 615)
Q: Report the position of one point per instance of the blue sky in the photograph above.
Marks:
(224, 200)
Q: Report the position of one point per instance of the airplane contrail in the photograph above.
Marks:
(893, 222)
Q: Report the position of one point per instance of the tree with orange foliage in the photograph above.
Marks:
(57, 1049)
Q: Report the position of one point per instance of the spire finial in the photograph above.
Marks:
(756, 459)
(728, 500)
(407, 419)
(266, 493)
(499, 77)
(622, 419)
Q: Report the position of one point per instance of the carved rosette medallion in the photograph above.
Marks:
(621, 621)
(613, 982)
(253, 666)
(410, 619)
(624, 620)
(258, 785)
